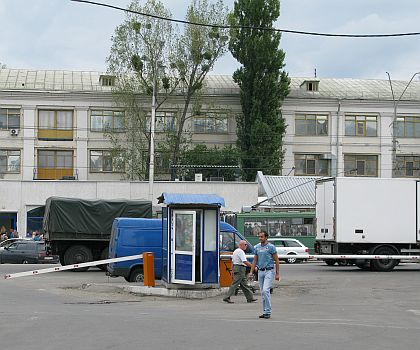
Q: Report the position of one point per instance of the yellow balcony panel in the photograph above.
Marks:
(53, 173)
(55, 134)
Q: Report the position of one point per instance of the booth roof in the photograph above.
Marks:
(183, 198)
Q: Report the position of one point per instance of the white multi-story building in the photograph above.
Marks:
(347, 127)
(52, 127)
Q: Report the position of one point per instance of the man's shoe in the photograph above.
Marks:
(252, 301)
(227, 300)
(264, 316)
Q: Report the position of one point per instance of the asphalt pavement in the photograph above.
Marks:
(314, 307)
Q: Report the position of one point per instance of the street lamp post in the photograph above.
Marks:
(394, 119)
(152, 138)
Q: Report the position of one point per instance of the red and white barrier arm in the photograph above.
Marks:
(338, 257)
(72, 267)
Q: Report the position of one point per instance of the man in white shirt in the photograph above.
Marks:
(239, 274)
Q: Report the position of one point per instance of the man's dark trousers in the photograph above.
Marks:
(240, 279)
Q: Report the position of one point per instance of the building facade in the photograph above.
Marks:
(53, 123)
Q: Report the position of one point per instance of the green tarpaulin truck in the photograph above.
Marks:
(78, 230)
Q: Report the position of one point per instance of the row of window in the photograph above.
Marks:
(355, 125)
(355, 165)
(99, 161)
(110, 120)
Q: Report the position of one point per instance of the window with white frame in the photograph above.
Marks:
(311, 164)
(9, 161)
(361, 125)
(211, 123)
(407, 127)
(407, 166)
(311, 125)
(9, 118)
(104, 161)
(106, 120)
(164, 121)
(360, 165)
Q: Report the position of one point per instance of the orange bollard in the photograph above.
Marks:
(149, 269)
(225, 272)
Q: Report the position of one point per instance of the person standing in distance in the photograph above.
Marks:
(267, 262)
(239, 274)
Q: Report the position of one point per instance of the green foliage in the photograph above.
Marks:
(148, 52)
(263, 85)
(141, 46)
(198, 48)
(211, 162)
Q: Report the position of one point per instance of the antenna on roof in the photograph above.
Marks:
(315, 73)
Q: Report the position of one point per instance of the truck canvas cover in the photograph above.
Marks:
(90, 217)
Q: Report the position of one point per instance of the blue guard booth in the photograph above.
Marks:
(190, 255)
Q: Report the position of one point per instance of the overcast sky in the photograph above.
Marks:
(60, 34)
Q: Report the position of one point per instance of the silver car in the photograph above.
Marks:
(289, 246)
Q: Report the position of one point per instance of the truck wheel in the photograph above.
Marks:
(137, 275)
(330, 262)
(291, 260)
(363, 264)
(104, 255)
(342, 262)
(76, 255)
(384, 265)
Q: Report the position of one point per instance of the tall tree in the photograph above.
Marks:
(139, 58)
(140, 48)
(198, 49)
(263, 85)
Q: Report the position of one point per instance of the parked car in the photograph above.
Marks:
(11, 240)
(22, 251)
(289, 246)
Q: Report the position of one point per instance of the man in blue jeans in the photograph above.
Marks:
(267, 262)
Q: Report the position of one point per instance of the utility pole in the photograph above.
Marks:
(394, 119)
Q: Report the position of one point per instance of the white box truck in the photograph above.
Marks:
(368, 216)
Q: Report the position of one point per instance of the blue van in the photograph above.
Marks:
(131, 236)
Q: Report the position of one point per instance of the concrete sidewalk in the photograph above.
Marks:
(160, 291)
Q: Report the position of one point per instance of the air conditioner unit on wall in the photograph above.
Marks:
(14, 132)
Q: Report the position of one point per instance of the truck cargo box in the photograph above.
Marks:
(82, 217)
(367, 210)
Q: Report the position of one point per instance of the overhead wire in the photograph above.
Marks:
(270, 29)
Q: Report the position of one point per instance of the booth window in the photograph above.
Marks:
(209, 230)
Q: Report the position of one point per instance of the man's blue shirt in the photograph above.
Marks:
(265, 255)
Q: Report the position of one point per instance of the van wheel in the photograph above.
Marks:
(330, 262)
(384, 265)
(25, 261)
(137, 275)
(76, 255)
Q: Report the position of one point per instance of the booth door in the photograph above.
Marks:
(183, 246)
